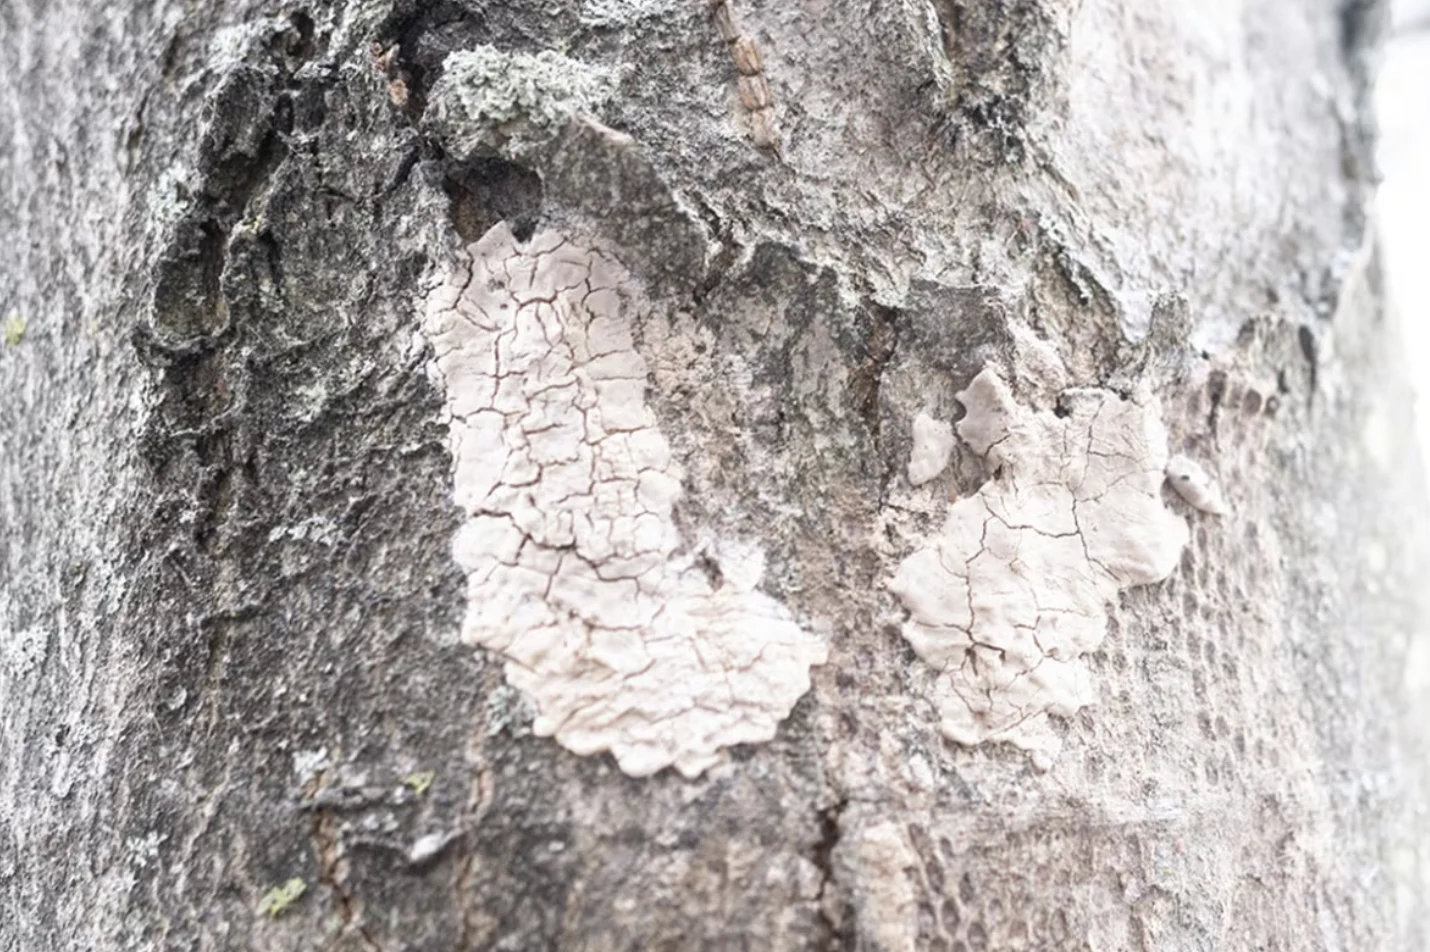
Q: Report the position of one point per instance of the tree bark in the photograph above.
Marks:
(868, 621)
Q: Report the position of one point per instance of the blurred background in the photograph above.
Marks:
(1403, 101)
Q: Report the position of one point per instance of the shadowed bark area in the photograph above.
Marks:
(232, 649)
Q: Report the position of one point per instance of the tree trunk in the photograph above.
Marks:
(639, 474)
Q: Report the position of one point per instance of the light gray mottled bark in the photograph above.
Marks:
(231, 623)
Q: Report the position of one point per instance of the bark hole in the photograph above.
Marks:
(483, 192)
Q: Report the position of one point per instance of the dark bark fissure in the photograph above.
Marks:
(413, 41)
(1306, 339)
(839, 935)
(868, 375)
(329, 853)
(1002, 56)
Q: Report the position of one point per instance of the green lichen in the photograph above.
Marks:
(253, 227)
(489, 101)
(276, 901)
(14, 329)
(420, 780)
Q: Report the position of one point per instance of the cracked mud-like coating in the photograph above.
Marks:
(1011, 593)
(575, 569)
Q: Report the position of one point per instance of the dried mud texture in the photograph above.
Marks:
(576, 573)
(1011, 593)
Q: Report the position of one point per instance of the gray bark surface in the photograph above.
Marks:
(229, 610)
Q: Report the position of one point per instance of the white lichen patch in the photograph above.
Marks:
(1194, 485)
(576, 573)
(1005, 600)
(933, 444)
(489, 100)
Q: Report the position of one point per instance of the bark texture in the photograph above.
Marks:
(230, 616)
